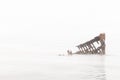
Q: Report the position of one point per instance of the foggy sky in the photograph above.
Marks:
(53, 26)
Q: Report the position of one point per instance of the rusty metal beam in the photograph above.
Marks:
(89, 47)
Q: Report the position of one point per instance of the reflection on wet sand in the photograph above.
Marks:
(83, 67)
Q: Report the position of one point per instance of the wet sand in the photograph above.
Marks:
(82, 67)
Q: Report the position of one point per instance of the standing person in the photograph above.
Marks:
(69, 52)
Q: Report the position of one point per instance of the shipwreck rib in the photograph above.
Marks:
(89, 47)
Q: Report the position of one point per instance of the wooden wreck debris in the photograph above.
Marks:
(89, 47)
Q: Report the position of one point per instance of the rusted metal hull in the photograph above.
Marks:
(93, 46)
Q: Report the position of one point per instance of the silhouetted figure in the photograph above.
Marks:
(69, 52)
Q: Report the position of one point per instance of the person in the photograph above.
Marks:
(69, 52)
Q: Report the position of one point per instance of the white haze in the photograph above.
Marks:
(50, 27)
(34, 32)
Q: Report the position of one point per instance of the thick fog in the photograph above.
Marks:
(50, 27)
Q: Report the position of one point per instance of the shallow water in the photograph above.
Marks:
(82, 67)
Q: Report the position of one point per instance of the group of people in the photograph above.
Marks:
(68, 51)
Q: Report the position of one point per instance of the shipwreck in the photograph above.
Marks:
(93, 46)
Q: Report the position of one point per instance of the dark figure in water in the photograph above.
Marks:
(69, 52)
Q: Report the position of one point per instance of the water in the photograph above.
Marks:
(82, 67)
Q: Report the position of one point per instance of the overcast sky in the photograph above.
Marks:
(53, 26)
